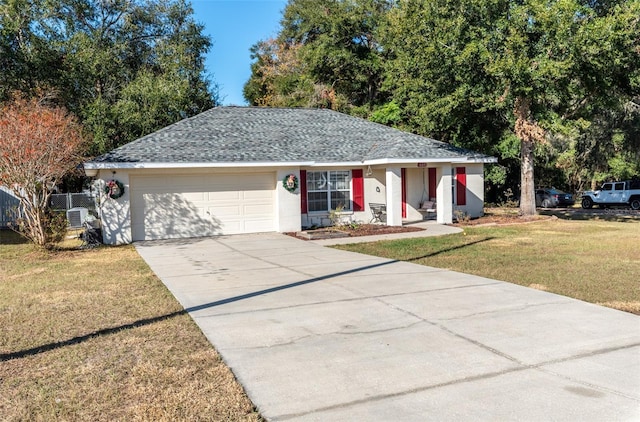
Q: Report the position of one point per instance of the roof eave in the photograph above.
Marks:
(93, 165)
(453, 160)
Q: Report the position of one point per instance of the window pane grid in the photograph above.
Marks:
(328, 190)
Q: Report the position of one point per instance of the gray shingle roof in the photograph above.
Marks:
(263, 135)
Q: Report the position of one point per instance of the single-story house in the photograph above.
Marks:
(233, 170)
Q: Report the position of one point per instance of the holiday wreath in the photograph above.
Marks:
(290, 182)
(114, 189)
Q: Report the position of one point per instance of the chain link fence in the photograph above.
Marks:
(65, 201)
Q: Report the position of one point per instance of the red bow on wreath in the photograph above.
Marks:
(114, 189)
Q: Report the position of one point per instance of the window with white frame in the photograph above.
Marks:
(328, 190)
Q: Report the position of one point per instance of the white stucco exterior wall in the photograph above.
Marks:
(444, 205)
(115, 214)
(288, 212)
(475, 191)
(394, 196)
(374, 188)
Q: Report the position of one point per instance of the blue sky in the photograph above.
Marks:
(234, 26)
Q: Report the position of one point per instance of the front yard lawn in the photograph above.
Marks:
(595, 261)
(93, 335)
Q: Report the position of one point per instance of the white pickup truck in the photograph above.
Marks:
(611, 194)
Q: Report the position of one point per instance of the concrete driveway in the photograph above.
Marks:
(317, 334)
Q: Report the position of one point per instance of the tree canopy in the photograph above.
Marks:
(505, 75)
(40, 145)
(327, 50)
(550, 83)
(124, 67)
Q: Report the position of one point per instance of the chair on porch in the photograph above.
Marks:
(378, 213)
(428, 208)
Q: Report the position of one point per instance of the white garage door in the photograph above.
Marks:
(181, 206)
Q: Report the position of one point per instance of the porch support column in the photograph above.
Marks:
(394, 196)
(444, 198)
(288, 215)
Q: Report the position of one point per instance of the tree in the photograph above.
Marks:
(280, 78)
(334, 46)
(494, 72)
(39, 146)
(115, 64)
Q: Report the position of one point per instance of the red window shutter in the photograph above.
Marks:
(461, 186)
(358, 189)
(432, 183)
(303, 191)
(403, 180)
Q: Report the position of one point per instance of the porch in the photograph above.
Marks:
(394, 195)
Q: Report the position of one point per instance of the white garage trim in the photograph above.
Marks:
(197, 205)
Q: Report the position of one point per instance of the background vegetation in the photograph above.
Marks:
(550, 88)
(125, 68)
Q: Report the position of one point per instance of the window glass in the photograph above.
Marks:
(316, 180)
(340, 199)
(619, 186)
(339, 180)
(606, 186)
(328, 190)
(317, 201)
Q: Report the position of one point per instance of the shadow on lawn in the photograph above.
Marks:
(9, 237)
(620, 215)
(148, 321)
(453, 248)
(80, 339)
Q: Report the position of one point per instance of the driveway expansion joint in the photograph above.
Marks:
(474, 378)
(332, 334)
(351, 299)
(506, 309)
(380, 397)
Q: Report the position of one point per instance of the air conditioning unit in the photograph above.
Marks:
(77, 216)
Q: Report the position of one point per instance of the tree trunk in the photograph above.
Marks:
(528, 131)
(527, 183)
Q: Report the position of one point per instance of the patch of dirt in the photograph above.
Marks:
(495, 218)
(633, 307)
(355, 231)
(492, 217)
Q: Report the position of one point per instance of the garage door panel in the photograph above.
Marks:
(232, 227)
(167, 216)
(204, 205)
(258, 226)
(255, 210)
(224, 195)
(255, 194)
(194, 196)
(233, 211)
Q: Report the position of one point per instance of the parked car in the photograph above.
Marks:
(625, 193)
(552, 197)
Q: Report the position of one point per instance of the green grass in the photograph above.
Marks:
(594, 261)
(94, 335)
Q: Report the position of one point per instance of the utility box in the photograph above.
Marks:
(77, 216)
